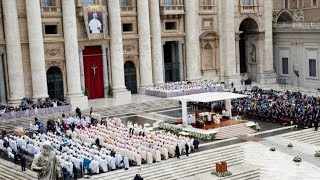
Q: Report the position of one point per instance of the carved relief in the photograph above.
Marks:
(207, 24)
(53, 52)
(59, 64)
(253, 53)
(298, 15)
(128, 47)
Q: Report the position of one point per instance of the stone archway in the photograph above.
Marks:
(284, 16)
(55, 83)
(248, 46)
(130, 74)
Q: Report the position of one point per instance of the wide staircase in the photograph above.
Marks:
(196, 163)
(233, 131)
(11, 171)
(308, 136)
(125, 109)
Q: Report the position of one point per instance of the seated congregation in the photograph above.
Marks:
(83, 147)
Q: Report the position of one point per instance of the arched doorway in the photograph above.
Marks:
(248, 48)
(55, 83)
(130, 75)
(285, 16)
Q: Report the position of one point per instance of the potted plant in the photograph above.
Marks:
(273, 148)
(86, 92)
(221, 174)
(110, 92)
(290, 145)
(317, 154)
(297, 159)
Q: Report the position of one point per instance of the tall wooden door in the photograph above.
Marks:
(130, 77)
(93, 71)
(55, 83)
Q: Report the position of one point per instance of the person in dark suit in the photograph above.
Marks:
(177, 151)
(316, 124)
(23, 163)
(187, 149)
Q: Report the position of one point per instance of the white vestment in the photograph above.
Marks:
(95, 26)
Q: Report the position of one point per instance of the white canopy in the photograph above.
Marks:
(210, 97)
(206, 97)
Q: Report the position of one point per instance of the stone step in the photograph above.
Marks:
(193, 156)
(298, 134)
(158, 169)
(9, 170)
(181, 170)
(253, 174)
(233, 131)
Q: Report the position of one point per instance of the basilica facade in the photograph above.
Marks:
(296, 28)
(67, 49)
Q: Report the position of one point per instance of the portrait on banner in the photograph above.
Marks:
(95, 18)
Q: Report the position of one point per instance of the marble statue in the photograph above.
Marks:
(253, 53)
(46, 165)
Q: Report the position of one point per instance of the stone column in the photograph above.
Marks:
(105, 69)
(228, 38)
(36, 48)
(157, 57)
(81, 48)
(268, 61)
(74, 94)
(13, 49)
(237, 53)
(180, 58)
(163, 63)
(144, 44)
(116, 50)
(2, 81)
(192, 40)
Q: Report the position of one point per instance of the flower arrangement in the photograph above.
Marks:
(273, 148)
(221, 174)
(290, 145)
(199, 121)
(177, 129)
(256, 127)
(96, 116)
(317, 154)
(297, 159)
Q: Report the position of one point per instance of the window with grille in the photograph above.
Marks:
(48, 3)
(312, 68)
(87, 2)
(285, 66)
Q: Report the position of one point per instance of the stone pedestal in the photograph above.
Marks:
(122, 95)
(267, 78)
(78, 101)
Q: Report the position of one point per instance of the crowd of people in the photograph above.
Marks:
(84, 147)
(284, 107)
(181, 88)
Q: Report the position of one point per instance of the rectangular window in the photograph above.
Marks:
(127, 27)
(170, 25)
(286, 4)
(51, 29)
(285, 66)
(126, 3)
(168, 2)
(314, 3)
(247, 2)
(48, 3)
(312, 68)
(87, 2)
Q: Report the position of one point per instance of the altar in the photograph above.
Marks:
(206, 98)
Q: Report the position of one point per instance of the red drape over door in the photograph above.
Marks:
(93, 71)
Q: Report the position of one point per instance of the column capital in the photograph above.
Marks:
(2, 51)
(81, 48)
(104, 46)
